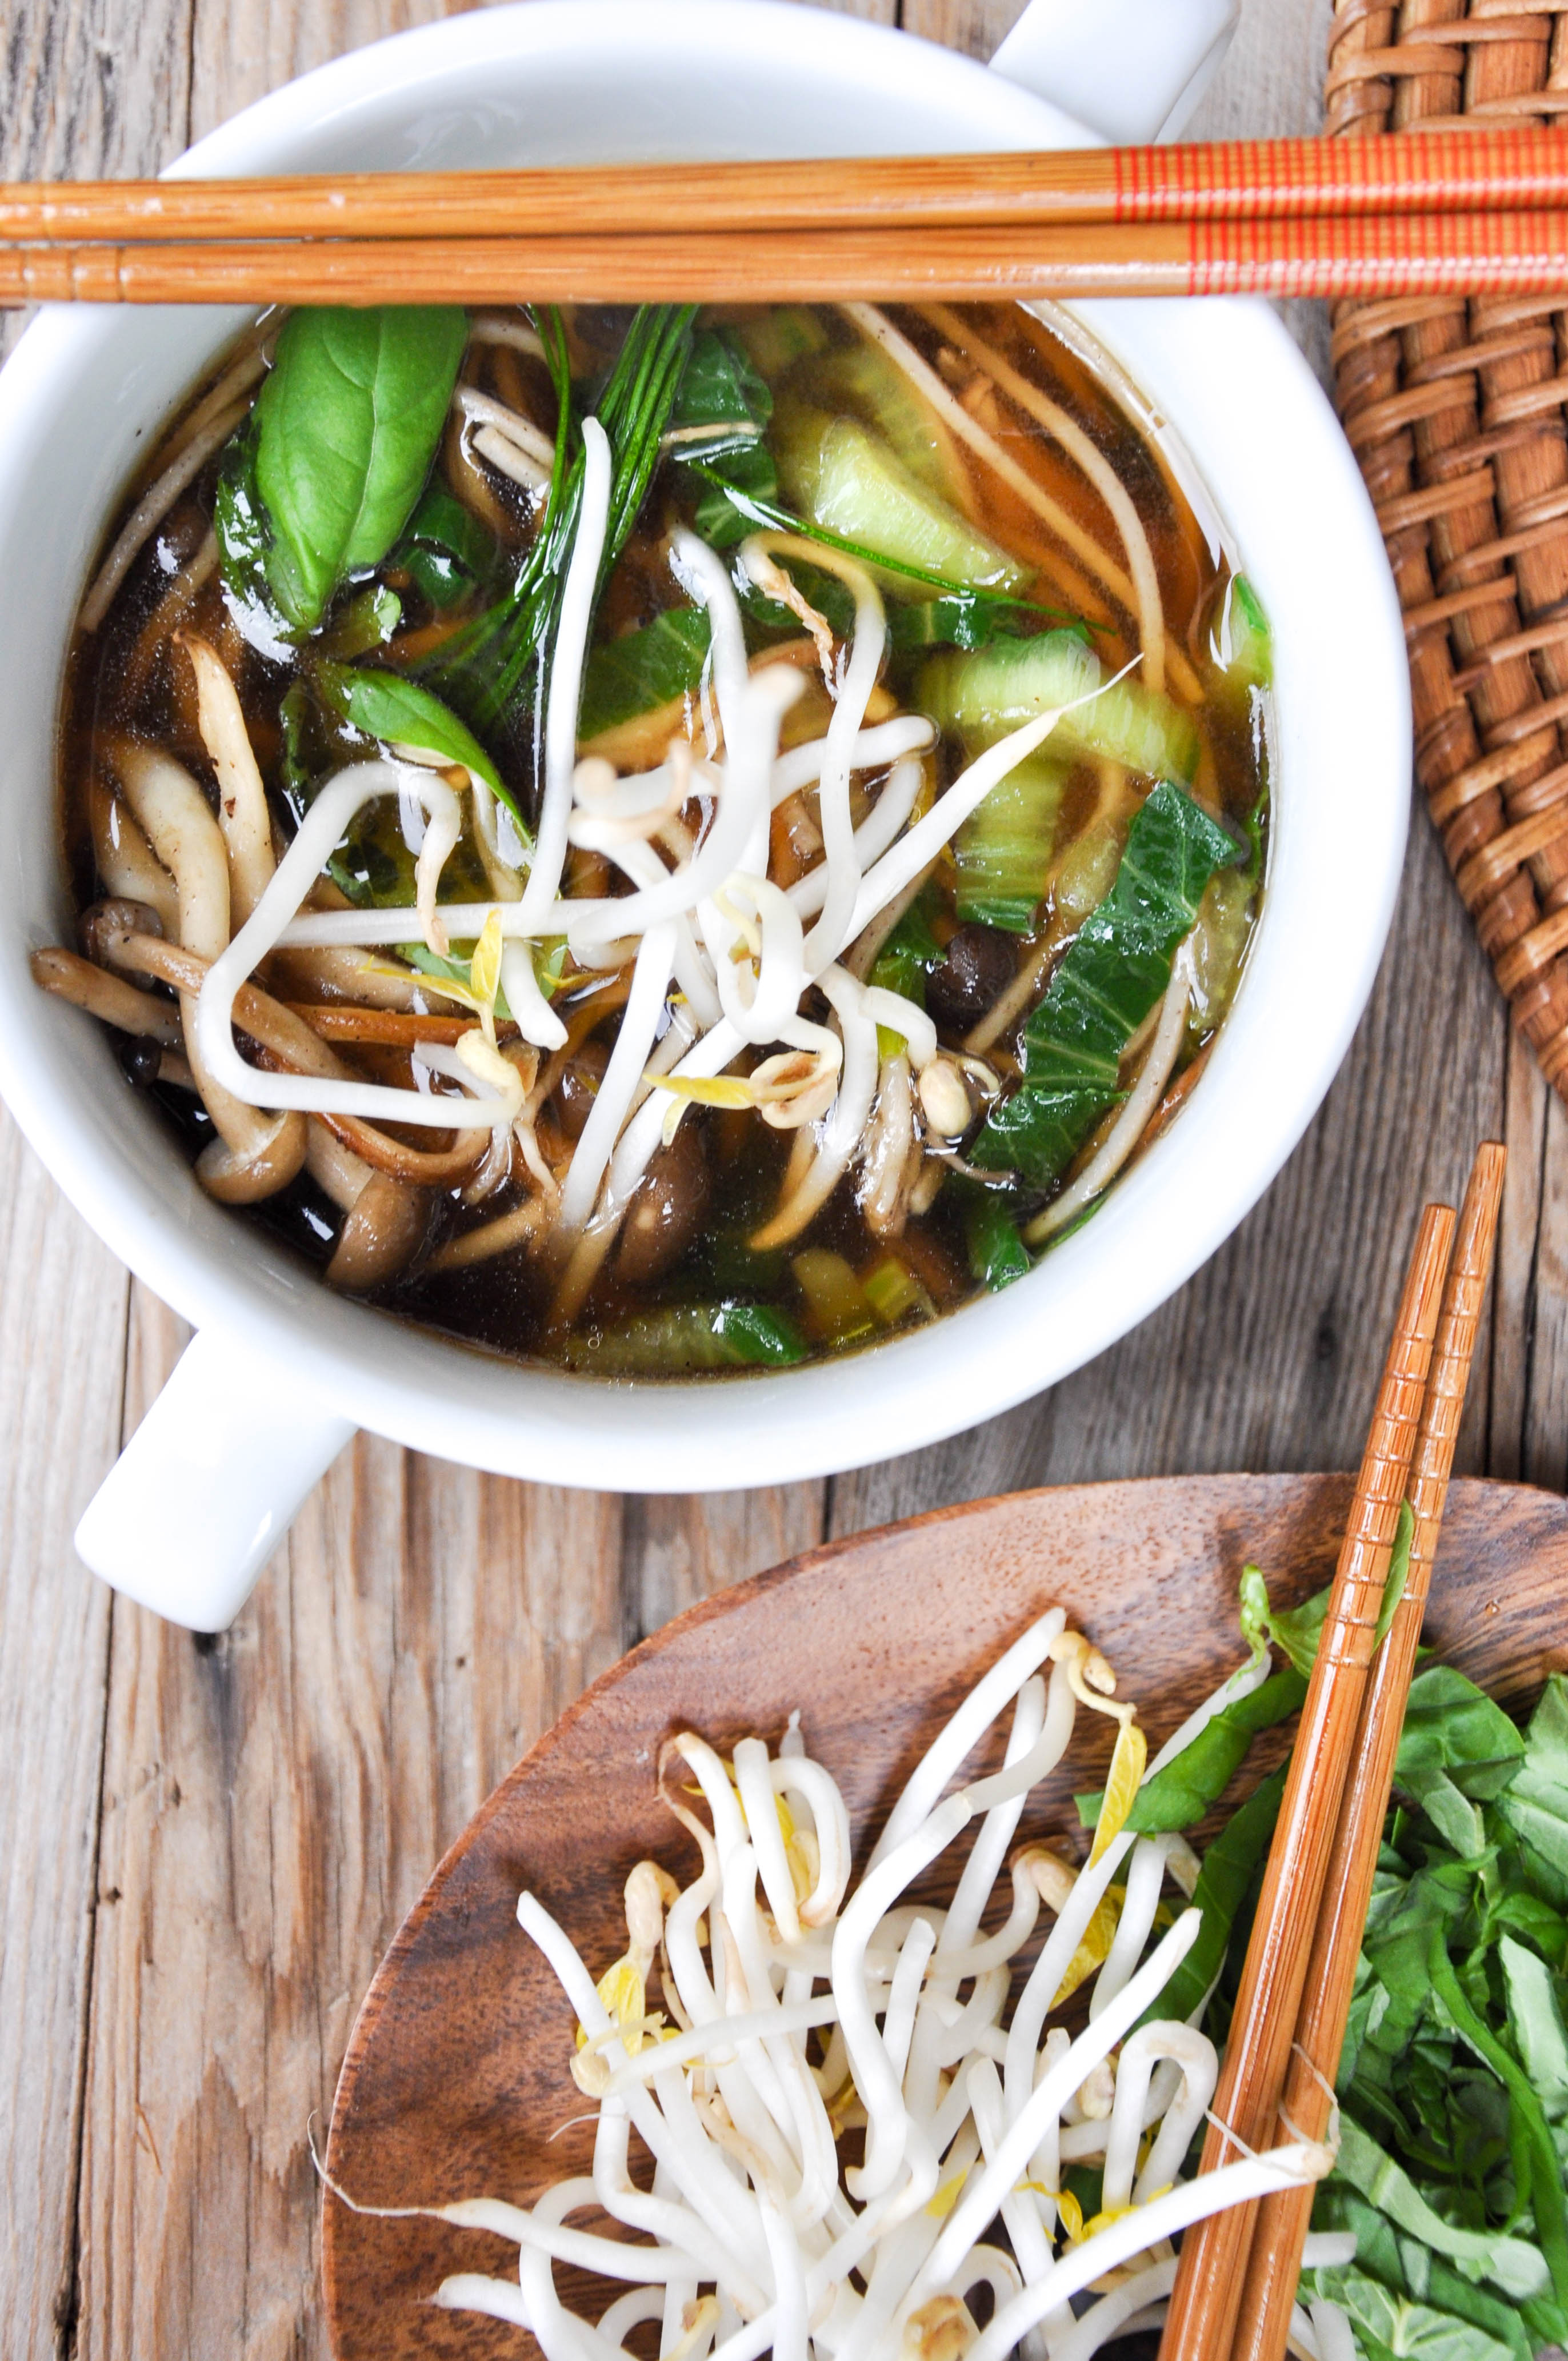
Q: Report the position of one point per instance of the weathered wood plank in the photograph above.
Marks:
(272, 1804)
(62, 1314)
(682, 1549)
(77, 98)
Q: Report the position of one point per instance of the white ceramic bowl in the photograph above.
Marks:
(283, 1371)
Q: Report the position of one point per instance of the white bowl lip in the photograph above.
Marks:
(517, 1419)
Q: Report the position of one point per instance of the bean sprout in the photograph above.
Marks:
(751, 2238)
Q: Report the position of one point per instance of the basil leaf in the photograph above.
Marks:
(1524, 2110)
(400, 713)
(643, 669)
(1114, 969)
(349, 422)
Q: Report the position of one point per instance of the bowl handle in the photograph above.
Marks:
(209, 1483)
(1131, 70)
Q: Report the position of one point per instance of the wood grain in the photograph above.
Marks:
(62, 1301)
(456, 2082)
(426, 1623)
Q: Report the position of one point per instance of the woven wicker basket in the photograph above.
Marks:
(1458, 414)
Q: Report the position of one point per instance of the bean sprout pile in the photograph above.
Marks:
(850, 2205)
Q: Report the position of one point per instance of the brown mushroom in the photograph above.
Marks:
(666, 1208)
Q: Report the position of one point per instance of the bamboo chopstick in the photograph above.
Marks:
(1208, 2288)
(1496, 253)
(1241, 180)
(1274, 2265)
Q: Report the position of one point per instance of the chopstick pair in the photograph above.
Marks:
(1471, 212)
(1238, 2270)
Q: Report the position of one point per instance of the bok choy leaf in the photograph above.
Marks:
(1115, 969)
(643, 669)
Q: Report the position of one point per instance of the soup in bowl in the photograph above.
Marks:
(788, 788)
(1283, 668)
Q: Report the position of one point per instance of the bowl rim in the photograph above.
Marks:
(1213, 368)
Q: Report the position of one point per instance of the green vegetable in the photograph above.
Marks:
(837, 1302)
(1229, 1866)
(959, 619)
(782, 336)
(489, 668)
(895, 1293)
(911, 950)
(1003, 851)
(1454, 2080)
(446, 548)
(1387, 2325)
(846, 480)
(1536, 1805)
(1114, 969)
(1546, 2198)
(365, 622)
(643, 669)
(244, 535)
(679, 1337)
(398, 712)
(1219, 942)
(722, 390)
(863, 378)
(1246, 648)
(1193, 1782)
(980, 697)
(997, 1255)
(348, 424)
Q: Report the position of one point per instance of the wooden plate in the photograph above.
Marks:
(456, 2073)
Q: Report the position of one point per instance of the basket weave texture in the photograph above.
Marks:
(1458, 414)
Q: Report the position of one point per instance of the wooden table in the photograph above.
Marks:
(207, 1844)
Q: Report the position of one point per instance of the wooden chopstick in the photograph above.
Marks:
(1495, 253)
(1269, 2290)
(1248, 180)
(1208, 2288)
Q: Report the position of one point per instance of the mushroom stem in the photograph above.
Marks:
(289, 1042)
(255, 1154)
(108, 997)
(243, 816)
(126, 860)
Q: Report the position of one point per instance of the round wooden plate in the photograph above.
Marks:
(455, 2080)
